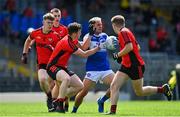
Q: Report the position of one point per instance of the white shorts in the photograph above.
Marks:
(97, 75)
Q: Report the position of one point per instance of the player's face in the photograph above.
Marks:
(57, 16)
(115, 28)
(48, 24)
(98, 26)
(78, 34)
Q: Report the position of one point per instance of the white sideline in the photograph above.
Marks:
(40, 97)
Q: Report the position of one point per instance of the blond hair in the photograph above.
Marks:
(118, 20)
(48, 16)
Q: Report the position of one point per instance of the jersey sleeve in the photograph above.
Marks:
(72, 47)
(126, 37)
(104, 37)
(32, 35)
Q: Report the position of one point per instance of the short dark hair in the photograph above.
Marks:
(74, 27)
(118, 20)
(48, 16)
(55, 10)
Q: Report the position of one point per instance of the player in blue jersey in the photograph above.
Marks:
(97, 65)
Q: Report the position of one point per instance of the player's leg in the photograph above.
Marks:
(136, 75)
(141, 90)
(119, 79)
(107, 79)
(76, 85)
(55, 90)
(88, 84)
(43, 78)
(63, 80)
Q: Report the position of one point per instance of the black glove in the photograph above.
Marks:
(24, 58)
(91, 29)
(29, 50)
(117, 58)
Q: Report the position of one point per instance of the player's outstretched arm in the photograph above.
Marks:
(87, 53)
(86, 42)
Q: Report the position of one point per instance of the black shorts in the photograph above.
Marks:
(52, 71)
(42, 66)
(134, 72)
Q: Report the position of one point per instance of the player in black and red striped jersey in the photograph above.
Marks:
(45, 40)
(133, 66)
(69, 83)
(62, 31)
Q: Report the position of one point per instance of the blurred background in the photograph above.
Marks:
(155, 23)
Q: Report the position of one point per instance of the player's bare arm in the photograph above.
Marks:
(128, 47)
(27, 44)
(86, 42)
(87, 53)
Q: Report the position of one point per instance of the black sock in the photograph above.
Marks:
(49, 95)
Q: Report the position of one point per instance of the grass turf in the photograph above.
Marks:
(89, 109)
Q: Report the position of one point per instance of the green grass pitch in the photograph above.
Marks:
(89, 109)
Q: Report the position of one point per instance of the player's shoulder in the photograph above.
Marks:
(38, 30)
(54, 32)
(86, 36)
(125, 30)
(62, 26)
(103, 34)
(35, 32)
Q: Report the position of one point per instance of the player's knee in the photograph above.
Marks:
(42, 80)
(139, 92)
(114, 86)
(81, 86)
(67, 80)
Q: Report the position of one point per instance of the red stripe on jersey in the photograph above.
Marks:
(125, 37)
(72, 45)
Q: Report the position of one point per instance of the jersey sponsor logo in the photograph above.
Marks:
(38, 37)
(60, 31)
(50, 39)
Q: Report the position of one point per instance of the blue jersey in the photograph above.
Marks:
(98, 61)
